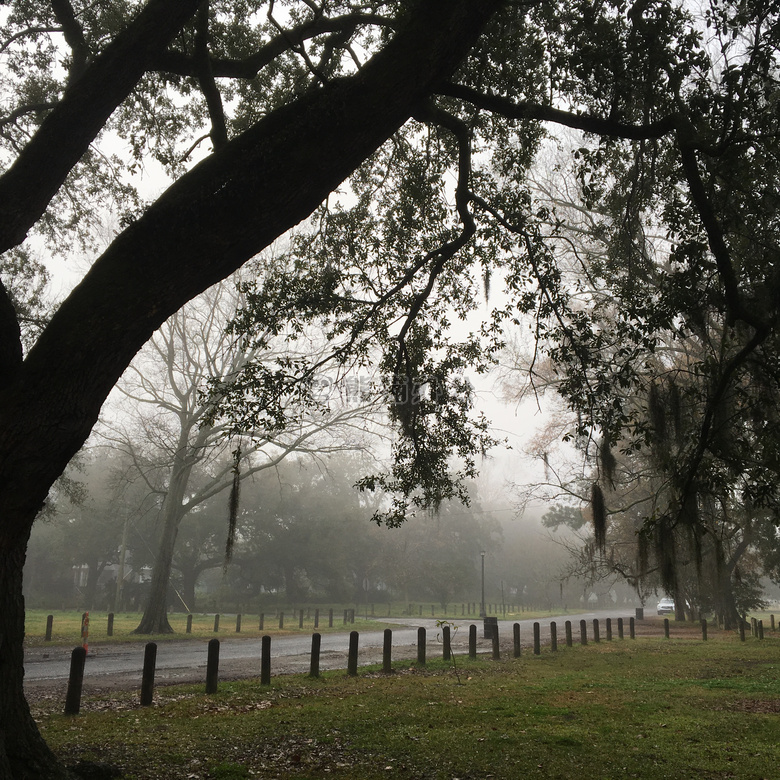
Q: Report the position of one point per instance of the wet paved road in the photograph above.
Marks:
(180, 661)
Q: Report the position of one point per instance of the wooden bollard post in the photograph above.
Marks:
(330, 618)
(216, 623)
(110, 625)
(760, 629)
(472, 641)
(446, 646)
(352, 659)
(666, 628)
(316, 618)
(537, 640)
(147, 676)
(421, 639)
(212, 666)
(554, 637)
(741, 630)
(261, 621)
(75, 681)
(567, 628)
(387, 651)
(583, 632)
(265, 660)
(632, 628)
(238, 623)
(496, 648)
(772, 622)
(346, 617)
(189, 624)
(352, 616)
(300, 619)
(85, 632)
(620, 628)
(49, 626)
(516, 639)
(596, 637)
(704, 629)
(314, 667)
(281, 620)
(609, 629)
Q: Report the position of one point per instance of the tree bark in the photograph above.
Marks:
(23, 753)
(204, 227)
(155, 617)
(189, 576)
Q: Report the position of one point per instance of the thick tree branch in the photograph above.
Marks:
(443, 254)
(737, 309)
(19, 112)
(28, 186)
(28, 31)
(206, 77)
(510, 109)
(10, 340)
(74, 37)
(183, 64)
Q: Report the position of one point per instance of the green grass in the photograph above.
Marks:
(649, 708)
(67, 625)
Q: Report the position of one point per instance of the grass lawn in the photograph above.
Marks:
(649, 708)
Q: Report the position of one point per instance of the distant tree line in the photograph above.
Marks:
(303, 534)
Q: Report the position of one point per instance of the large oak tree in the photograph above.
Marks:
(300, 95)
(215, 217)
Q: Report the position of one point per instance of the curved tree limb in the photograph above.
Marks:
(182, 64)
(206, 77)
(28, 186)
(74, 37)
(510, 109)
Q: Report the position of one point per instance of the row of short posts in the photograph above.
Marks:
(349, 617)
(78, 656)
(756, 626)
(569, 634)
(466, 608)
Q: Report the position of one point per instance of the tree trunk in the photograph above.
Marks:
(23, 753)
(189, 578)
(155, 617)
(95, 569)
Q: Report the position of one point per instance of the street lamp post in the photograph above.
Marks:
(483, 611)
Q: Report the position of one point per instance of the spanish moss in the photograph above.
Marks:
(599, 516)
(233, 505)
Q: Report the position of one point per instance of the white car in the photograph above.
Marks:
(666, 606)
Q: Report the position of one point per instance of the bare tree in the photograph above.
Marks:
(185, 459)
